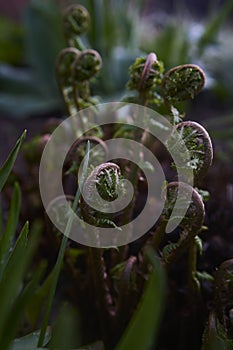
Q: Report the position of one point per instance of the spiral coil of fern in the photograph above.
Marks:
(63, 69)
(146, 78)
(182, 83)
(76, 20)
(77, 152)
(75, 65)
(199, 145)
(105, 179)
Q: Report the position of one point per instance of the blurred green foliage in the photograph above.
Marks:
(11, 41)
(120, 33)
(32, 88)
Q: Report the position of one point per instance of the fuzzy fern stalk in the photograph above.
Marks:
(125, 291)
(191, 223)
(105, 179)
(218, 330)
(224, 292)
(215, 335)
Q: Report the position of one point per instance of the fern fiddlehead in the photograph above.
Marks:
(63, 69)
(182, 83)
(85, 66)
(105, 179)
(146, 78)
(76, 20)
(77, 153)
(199, 146)
(75, 65)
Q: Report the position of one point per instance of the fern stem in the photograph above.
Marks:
(102, 294)
(125, 291)
(192, 268)
(158, 235)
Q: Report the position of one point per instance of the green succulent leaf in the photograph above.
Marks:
(9, 163)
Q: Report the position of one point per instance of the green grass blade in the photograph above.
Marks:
(61, 253)
(1, 222)
(16, 316)
(12, 278)
(9, 163)
(143, 328)
(35, 306)
(11, 226)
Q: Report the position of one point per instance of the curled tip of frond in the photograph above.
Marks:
(86, 65)
(147, 70)
(145, 73)
(63, 65)
(199, 145)
(194, 217)
(77, 152)
(76, 20)
(223, 288)
(106, 178)
(226, 266)
(183, 82)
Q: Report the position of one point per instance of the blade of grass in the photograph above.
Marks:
(12, 278)
(9, 163)
(58, 265)
(1, 223)
(35, 305)
(11, 226)
(15, 317)
(143, 328)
